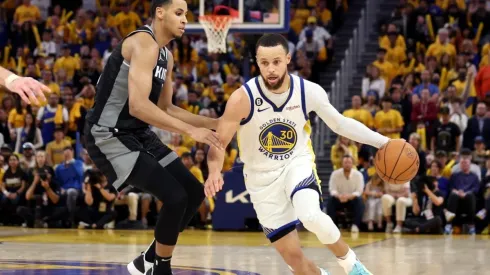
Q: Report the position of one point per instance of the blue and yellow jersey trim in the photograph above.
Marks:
(251, 97)
(308, 130)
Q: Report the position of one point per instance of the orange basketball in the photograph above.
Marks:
(397, 162)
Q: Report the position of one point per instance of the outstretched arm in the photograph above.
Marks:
(165, 103)
(143, 52)
(27, 88)
(237, 108)
(344, 126)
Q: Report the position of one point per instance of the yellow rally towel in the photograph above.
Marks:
(58, 117)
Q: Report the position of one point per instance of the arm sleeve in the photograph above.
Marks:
(317, 101)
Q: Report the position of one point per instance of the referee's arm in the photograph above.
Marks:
(165, 102)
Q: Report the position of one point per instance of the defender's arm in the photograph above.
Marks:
(144, 52)
(165, 103)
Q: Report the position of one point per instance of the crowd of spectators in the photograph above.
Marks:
(430, 84)
(47, 178)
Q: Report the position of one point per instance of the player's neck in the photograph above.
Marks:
(161, 36)
(284, 87)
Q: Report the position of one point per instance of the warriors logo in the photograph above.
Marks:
(278, 139)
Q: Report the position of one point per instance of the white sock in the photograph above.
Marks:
(348, 261)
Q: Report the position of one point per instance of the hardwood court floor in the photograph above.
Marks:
(87, 252)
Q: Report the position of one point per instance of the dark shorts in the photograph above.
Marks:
(115, 152)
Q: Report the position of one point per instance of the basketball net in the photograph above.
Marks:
(216, 28)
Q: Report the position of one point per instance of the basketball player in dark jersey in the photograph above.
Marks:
(133, 92)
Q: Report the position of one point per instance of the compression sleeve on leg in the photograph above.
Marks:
(308, 211)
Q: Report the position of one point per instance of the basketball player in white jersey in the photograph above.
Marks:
(27, 88)
(270, 113)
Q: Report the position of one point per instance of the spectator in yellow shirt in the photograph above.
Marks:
(399, 40)
(126, 20)
(54, 149)
(16, 119)
(105, 12)
(437, 49)
(388, 122)
(230, 157)
(230, 86)
(359, 114)
(26, 13)
(189, 164)
(67, 62)
(193, 105)
(80, 29)
(176, 145)
(394, 53)
(387, 69)
(343, 146)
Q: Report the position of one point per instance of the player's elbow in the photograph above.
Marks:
(136, 106)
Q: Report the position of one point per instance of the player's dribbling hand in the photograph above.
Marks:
(213, 184)
(28, 89)
(207, 136)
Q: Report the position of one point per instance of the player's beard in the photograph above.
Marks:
(275, 86)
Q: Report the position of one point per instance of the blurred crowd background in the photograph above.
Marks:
(430, 84)
(47, 177)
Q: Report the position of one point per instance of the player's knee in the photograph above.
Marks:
(321, 224)
(196, 194)
(308, 218)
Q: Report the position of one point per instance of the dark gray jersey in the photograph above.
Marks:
(111, 108)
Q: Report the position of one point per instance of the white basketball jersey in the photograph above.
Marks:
(271, 135)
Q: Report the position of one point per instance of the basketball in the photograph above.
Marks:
(397, 162)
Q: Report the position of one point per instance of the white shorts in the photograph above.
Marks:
(271, 193)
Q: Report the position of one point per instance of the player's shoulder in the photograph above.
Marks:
(309, 86)
(239, 103)
(313, 92)
(142, 40)
(238, 96)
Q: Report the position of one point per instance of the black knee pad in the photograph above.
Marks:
(194, 188)
(149, 176)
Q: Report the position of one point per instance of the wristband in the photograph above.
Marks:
(11, 78)
(6, 193)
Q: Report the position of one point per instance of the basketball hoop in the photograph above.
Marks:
(216, 28)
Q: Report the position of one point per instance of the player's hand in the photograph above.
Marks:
(28, 89)
(207, 136)
(213, 184)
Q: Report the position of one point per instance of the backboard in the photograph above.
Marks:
(251, 16)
